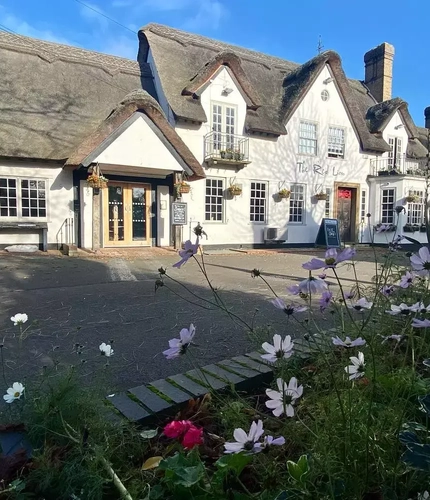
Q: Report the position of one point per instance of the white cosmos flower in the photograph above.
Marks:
(396, 338)
(19, 319)
(106, 349)
(361, 305)
(270, 441)
(14, 392)
(288, 309)
(356, 370)
(285, 398)
(281, 349)
(403, 309)
(421, 262)
(348, 342)
(180, 346)
(312, 286)
(246, 442)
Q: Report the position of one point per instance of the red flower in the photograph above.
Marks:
(177, 428)
(193, 437)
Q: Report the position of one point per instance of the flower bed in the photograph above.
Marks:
(346, 415)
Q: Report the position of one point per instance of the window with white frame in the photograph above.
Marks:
(258, 204)
(297, 203)
(223, 126)
(388, 196)
(25, 198)
(363, 205)
(214, 200)
(308, 142)
(416, 208)
(327, 208)
(336, 142)
(396, 152)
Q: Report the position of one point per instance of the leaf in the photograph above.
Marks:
(149, 434)
(188, 476)
(417, 456)
(425, 403)
(412, 240)
(426, 362)
(152, 463)
(406, 437)
(298, 471)
(235, 461)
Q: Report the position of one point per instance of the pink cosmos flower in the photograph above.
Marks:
(180, 346)
(421, 262)
(407, 280)
(421, 323)
(312, 286)
(325, 300)
(293, 289)
(189, 250)
(348, 342)
(288, 309)
(332, 258)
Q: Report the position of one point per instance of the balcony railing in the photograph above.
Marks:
(227, 148)
(398, 166)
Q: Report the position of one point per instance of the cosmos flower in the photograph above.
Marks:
(19, 319)
(246, 442)
(288, 309)
(332, 259)
(356, 370)
(281, 349)
(421, 262)
(348, 342)
(180, 346)
(189, 250)
(14, 392)
(285, 398)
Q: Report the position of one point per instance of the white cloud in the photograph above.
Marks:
(209, 15)
(94, 15)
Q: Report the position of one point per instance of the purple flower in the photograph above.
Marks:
(180, 346)
(387, 290)
(348, 342)
(312, 286)
(331, 259)
(361, 305)
(288, 309)
(189, 250)
(421, 262)
(270, 441)
(421, 323)
(293, 289)
(325, 300)
(322, 276)
(350, 295)
(404, 309)
(407, 280)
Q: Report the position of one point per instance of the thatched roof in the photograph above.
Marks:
(274, 86)
(138, 100)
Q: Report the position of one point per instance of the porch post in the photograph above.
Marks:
(96, 219)
(177, 230)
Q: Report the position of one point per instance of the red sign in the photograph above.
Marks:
(344, 193)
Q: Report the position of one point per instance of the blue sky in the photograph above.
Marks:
(285, 28)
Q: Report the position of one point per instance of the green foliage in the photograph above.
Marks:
(299, 471)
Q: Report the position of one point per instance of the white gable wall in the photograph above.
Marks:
(276, 162)
(139, 146)
(59, 186)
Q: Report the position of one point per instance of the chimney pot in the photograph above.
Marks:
(379, 71)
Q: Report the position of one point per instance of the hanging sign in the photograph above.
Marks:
(179, 213)
(328, 234)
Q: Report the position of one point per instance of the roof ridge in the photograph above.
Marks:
(213, 44)
(52, 51)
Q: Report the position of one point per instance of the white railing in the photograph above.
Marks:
(398, 166)
(230, 147)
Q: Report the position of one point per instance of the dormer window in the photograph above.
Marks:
(223, 126)
(395, 154)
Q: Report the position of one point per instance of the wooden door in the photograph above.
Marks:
(345, 213)
(127, 215)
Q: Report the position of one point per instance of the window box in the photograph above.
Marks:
(388, 228)
(383, 172)
(423, 228)
(283, 194)
(235, 190)
(411, 228)
(321, 196)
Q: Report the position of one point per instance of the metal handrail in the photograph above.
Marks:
(66, 233)
(231, 147)
(399, 165)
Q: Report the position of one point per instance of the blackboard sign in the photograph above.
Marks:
(328, 234)
(179, 213)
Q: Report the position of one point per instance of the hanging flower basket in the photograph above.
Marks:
(412, 198)
(284, 194)
(182, 187)
(97, 181)
(321, 196)
(235, 190)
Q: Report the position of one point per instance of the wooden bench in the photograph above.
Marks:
(41, 227)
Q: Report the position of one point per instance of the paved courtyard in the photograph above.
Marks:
(88, 300)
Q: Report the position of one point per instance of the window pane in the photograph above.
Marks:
(8, 197)
(387, 206)
(33, 198)
(297, 203)
(257, 209)
(214, 200)
(336, 142)
(308, 138)
(416, 209)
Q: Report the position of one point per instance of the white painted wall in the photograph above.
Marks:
(86, 196)
(163, 220)
(276, 161)
(139, 146)
(59, 200)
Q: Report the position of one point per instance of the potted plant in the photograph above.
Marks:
(227, 154)
(407, 228)
(97, 181)
(181, 188)
(235, 189)
(238, 156)
(321, 196)
(412, 198)
(423, 228)
(383, 172)
(284, 193)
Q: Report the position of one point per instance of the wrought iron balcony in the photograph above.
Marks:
(398, 166)
(227, 148)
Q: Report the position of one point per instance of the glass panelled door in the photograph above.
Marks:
(127, 215)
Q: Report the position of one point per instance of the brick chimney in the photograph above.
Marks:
(379, 71)
(427, 117)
